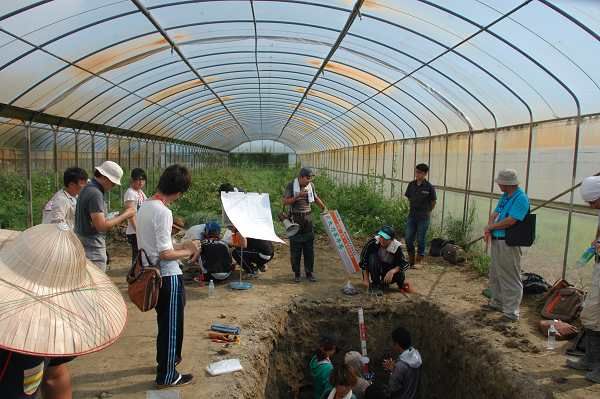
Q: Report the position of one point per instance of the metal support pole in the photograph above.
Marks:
(468, 177)
(93, 149)
(570, 217)
(495, 149)
(529, 145)
(139, 153)
(77, 148)
(445, 183)
(129, 155)
(403, 159)
(55, 157)
(146, 161)
(29, 186)
(393, 182)
(106, 153)
(119, 161)
(153, 161)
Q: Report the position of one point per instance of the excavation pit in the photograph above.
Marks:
(456, 364)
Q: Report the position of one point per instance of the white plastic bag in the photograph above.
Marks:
(224, 367)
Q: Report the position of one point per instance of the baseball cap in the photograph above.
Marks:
(306, 172)
(387, 233)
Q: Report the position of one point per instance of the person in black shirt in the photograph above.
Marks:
(422, 198)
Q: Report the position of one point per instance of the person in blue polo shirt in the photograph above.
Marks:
(505, 269)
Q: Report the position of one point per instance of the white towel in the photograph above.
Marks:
(309, 188)
(392, 247)
(332, 394)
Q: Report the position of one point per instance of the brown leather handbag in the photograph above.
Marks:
(144, 283)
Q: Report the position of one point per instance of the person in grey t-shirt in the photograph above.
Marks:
(91, 224)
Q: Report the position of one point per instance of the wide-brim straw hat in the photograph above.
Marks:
(112, 171)
(53, 301)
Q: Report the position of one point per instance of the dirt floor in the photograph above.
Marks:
(126, 369)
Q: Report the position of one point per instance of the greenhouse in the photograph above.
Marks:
(358, 91)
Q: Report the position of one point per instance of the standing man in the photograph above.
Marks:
(590, 315)
(91, 224)
(505, 269)
(134, 198)
(422, 198)
(299, 196)
(405, 371)
(61, 207)
(154, 223)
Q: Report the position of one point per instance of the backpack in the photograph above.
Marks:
(215, 257)
(453, 253)
(563, 302)
(436, 245)
(534, 284)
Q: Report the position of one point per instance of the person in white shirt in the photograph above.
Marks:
(134, 198)
(61, 207)
(154, 224)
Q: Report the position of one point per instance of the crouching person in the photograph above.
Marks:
(383, 262)
(251, 254)
(216, 259)
(154, 224)
(406, 370)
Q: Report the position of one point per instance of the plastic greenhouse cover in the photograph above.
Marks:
(402, 69)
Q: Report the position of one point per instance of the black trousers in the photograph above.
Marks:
(303, 244)
(378, 269)
(132, 240)
(169, 316)
(251, 260)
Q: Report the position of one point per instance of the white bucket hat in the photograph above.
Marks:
(507, 177)
(112, 171)
(590, 189)
(53, 301)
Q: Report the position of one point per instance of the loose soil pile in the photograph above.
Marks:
(467, 353)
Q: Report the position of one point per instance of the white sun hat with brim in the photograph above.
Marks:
(507, 177)
(112, 171)
(53, 301)
(590, 189)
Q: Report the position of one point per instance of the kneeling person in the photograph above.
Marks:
(383, 260)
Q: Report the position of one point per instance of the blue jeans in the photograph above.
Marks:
(416, 228)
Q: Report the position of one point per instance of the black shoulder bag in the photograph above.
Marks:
(522, 234)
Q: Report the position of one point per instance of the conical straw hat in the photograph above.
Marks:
(53, 301)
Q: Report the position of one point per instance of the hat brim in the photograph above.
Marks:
(48, 321)
(384, 235)
(507, 182)
(107, 175)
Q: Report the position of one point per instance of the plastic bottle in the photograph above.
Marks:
(586, 256)
(552, 333)
(211, 289)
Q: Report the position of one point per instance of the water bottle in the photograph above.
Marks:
(586, 256)
(552, 333)
(211, 289)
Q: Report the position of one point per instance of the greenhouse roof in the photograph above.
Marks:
(310, 74)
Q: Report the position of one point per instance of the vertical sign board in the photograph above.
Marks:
(340, 239)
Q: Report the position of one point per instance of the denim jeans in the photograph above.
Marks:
(416, 228)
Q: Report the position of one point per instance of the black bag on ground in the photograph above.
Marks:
(534, 284)
(436, 245)
(522, 234)
(453, 253)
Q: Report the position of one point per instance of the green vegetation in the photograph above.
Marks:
(362, 207)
